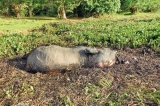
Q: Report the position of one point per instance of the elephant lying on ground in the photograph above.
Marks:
(50, 58)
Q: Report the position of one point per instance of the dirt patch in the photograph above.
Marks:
(131, 81)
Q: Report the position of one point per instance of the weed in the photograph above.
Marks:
(67, 101)
(134, 96)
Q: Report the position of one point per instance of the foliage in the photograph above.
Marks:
(93, 7)
(115, 34)
(21, 7)
(129, 5)
(82, 8)
(64, 6)
(140, 5)
(149, 5)
(11, 7)
(138, 95)
(52, 10)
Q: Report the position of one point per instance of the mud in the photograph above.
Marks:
(135, 68)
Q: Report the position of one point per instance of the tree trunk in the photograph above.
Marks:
(16, 10)
(62, 13)
(30, 12)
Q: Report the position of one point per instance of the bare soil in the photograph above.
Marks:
(136, 71)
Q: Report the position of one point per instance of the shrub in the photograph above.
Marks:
(93, 7)
(129, 5)
(140, 5)
(149, 5)
(52, 10)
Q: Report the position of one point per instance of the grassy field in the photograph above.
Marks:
(22, 25)
(118, 32)
(134, 84)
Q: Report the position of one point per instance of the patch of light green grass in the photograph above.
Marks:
(136, 16)
(15, 24)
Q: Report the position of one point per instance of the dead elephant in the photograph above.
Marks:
(50, 58)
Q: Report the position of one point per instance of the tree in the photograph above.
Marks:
(148, 5)
(99, 7)
(65, 6)
(21, 7)
(129, 5)
(140, 5)
(11, 7)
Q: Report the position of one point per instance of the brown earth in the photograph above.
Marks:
(136, 73)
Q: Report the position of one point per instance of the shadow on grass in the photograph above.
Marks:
(29, 18)
(128, 13)
(38, 18)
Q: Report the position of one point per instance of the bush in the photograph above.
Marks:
(40, 9)
(23, 10)
(100, 7)
(149, 5)
(129, 5)
(140, 5)
(52, 10)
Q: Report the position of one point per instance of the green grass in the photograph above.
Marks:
(134, 95)
(11, 25)
(121, 33)
(22, 24)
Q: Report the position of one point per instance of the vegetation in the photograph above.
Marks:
(96, 8)
(112, 33)
(7, 25)
(108, 31)
(80, 8)
(140, 5)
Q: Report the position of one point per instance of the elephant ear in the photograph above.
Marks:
(90, 50)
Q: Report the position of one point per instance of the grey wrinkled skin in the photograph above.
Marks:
(47, 58)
